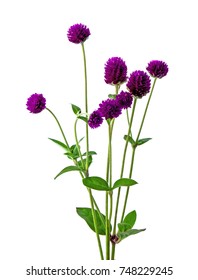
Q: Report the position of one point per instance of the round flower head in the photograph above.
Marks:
(124, 99)
(110, 109)
(157, 69)
(139, 83)
(95, 119)
(36, 103)
(78, 33)
(115, 71)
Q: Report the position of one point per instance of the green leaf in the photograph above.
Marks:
(68, 169)
(142, 141)
(130, 218)
(123, 235)
(59, 143)
(123, 227)
(76, 109)
(112, 96)
(86, 214)
(90, 153)
(124, 182)
(130, 139)
(83, 119)
(84, 162)
(96, 183)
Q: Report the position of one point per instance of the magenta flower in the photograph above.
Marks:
(115, 71)
(157, 68)
(95, 119)
(109, 109)
(139, 83)
(78, 33)
(124, 99)
(36, 103)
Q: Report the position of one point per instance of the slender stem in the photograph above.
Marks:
(143, 118)
(121, 175)
(134, 148)
(86, 106)
(59, 126)
(77, 143)
(95, 224)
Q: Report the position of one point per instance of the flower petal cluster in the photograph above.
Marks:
(124, 99)
(110, 109)
(95, 119)
(36, 103)
(139, 83)
(115, 71)
(78, 33)
(157, 68)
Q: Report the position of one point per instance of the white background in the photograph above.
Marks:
(39, 225)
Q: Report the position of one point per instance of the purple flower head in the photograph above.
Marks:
(95, 119)
(110, 109)
(139, 83)
(78, 33)
(124, 99)
(157, 68)
(115, 71)
(36, 103)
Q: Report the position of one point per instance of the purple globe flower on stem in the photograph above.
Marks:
(95, 119)
(124, 99)
(157, 68)
(78, 33)
(110, 109)
(139, 83)
(115, 71)
(36, 103)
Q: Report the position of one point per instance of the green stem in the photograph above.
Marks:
(86, 107)
(134, 148)
(95, 224)
(121, 175)
(59, 126)
(77, 143)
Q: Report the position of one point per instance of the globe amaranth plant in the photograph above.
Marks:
(104, 222)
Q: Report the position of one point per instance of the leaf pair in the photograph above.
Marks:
(98, 183)
(139, 142)
(126, 227)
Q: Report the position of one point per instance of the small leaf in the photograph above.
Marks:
(112, 96)
(84, 162)
(130, 139)
(76, 109)
(142, 141)
(83, 119)
(123, 227)
(123, 235)
(59, 143)
(86, 214)
(124, 182)
(96, 183)
(68, 169)
(90, 153)
(130, 218)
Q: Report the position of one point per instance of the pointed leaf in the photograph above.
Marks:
(84, 162)
(123, 227)
(124, 182)
(68, 169)
(83, 118)
(76, 109)
(90, 153)
(96, 183)
(86, 214)
(123, 235)
(130, 139)
(142, 141)
(59, 143)
(130, 218)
